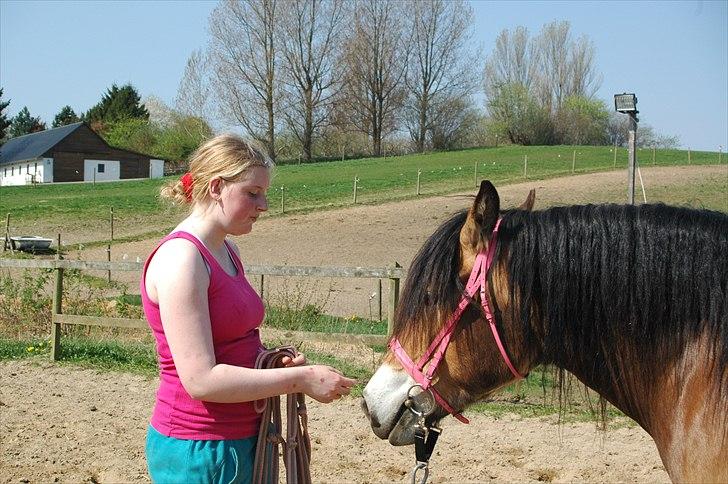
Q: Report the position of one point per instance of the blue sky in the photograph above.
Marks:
(673, 55)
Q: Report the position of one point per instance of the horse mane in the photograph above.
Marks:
(616, 282)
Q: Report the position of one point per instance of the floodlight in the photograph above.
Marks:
(625, 103)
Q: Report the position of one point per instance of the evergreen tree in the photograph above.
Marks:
(66, 116)
(4, 121)
(116, 104)
(24, 123)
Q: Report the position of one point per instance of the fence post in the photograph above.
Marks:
(615, 154)
(379, 299)
(393, 300)
(356, 181)
(283, 199)
(689, 156)
(419, 172)
(573, 162)
(57, 307)
(262, 285)
(653, 155)
(6, 241)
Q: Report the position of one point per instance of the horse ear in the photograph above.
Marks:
(530, 200)
(481, 220)
(486, 207)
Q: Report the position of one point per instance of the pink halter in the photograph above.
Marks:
(434, 354)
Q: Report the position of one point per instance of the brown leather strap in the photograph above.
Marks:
(296, 445)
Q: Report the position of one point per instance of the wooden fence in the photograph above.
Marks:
(394, 274)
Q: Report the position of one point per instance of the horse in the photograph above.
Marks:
(632, 300)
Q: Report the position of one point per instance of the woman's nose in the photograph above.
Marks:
(263, 206)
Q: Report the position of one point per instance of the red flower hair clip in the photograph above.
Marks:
(187, 185)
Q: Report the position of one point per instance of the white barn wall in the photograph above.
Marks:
(22, 173)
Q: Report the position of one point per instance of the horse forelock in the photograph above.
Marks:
(432, 288)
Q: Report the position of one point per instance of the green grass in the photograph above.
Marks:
(317, 185)
(310, 319)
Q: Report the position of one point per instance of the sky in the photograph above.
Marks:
(672, 54)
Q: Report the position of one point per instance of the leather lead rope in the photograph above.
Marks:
(425, 440)
(296, 445)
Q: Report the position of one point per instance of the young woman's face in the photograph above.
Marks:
(243, 201)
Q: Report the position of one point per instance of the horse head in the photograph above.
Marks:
(442, 341)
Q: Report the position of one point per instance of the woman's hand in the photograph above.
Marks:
(299, 360)
(326, 384)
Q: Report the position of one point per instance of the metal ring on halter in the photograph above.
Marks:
(410, 403)
(417, 467)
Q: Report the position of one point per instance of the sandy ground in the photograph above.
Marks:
(63, 424)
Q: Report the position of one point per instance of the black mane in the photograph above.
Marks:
(650, 278)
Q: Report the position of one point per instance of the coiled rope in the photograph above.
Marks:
(296, 445)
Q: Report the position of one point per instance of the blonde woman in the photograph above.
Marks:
(205, 316)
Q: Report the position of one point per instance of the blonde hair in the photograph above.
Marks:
(227, 156)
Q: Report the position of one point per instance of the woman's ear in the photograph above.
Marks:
(214, 188)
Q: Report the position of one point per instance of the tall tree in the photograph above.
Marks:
(441, 67)
(65, 116)
(534, 77)
(116, 104)
(23, 123)
(4, 121)
(566, 67)
(375, 56)
(311, 40)
(514, 60)
(194, 91)
(243, 55)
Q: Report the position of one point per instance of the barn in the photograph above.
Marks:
(71, 153)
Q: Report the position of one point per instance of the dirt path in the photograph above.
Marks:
(64, 424)
(380, 235)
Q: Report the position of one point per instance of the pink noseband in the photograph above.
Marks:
(434, 354)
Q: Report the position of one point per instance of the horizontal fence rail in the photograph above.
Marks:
(394, 273)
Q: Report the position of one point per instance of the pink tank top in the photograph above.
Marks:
(236, 311)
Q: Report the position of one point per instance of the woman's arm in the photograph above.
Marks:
(178, 277)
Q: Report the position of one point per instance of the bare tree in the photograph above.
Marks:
(193, 93)
(441, 67)
(311, 40)
(243, 54)
(566, 67)
(375, 56)
(513, 61)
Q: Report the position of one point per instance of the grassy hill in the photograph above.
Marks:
(329, 184)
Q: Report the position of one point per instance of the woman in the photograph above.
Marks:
(205, 316)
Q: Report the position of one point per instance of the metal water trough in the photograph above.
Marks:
(30, 243)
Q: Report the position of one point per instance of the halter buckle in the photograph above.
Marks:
(428, 403)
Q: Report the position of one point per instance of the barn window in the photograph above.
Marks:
(27, 169)
(101, 168)
(12, 170)
(35, 167)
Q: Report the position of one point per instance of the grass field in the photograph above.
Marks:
(324, 185)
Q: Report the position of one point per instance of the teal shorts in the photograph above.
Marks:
(171, 460)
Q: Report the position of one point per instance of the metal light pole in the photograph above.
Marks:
(627, 104)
